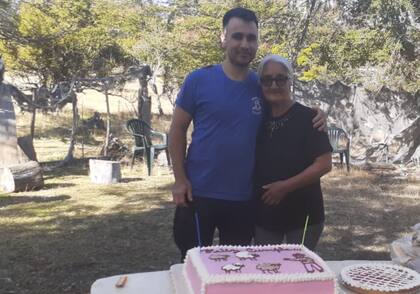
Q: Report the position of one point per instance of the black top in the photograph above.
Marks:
(286, 146)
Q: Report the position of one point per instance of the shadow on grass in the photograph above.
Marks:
(57, 132)
(129, 180)
(58, 185)
(79, 167)
(63, 134)
(364, 218)
(81, 249)
(13, 200)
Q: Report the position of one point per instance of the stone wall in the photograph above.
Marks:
(370, 118)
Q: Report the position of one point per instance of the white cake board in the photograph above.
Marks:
(178, 281)
(139, 283)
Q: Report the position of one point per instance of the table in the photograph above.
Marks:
(161, 282)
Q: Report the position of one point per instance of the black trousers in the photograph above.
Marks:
(233, 219)
(312, 236)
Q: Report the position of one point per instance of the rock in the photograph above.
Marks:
(370, 117)
(104, 171)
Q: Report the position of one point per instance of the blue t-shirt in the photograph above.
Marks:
(226, 115)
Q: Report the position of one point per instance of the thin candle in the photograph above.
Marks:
(197, 227)
(304, 229)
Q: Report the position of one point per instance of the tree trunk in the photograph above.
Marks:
(33, 114)
(302, 37)
(108, 122)
(26, 144)
(22, 177)
(33, 123)
(144, 101)
(69, 157)
(104, 171)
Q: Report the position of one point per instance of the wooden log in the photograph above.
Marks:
(22, 177)
(104, 171)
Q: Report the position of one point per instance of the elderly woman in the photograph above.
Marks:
(291, 158)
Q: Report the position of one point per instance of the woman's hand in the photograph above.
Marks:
(275, 192)
(320, 120)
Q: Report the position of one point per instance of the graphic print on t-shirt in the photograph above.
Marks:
(257, 107)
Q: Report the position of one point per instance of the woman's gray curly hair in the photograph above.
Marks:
(275, 58)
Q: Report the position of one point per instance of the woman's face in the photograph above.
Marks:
(275, 82)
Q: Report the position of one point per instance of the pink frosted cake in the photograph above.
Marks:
(257, 269)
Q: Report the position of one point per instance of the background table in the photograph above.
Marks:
(161, 282)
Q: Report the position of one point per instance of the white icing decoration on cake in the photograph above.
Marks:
(369, 276)
(233, 267)
(218, 257)
(269, 267)
(246, 255)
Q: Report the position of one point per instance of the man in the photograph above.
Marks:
(213, 183)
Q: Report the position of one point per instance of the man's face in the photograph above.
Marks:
(240, 41)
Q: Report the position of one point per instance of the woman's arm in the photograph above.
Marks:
(275, 192)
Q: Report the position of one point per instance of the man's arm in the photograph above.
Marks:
(320, 119)
(181, 190)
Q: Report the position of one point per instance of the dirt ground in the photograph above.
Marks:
(64, 237)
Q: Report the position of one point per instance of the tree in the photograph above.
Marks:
(60, 40)
(63, 39)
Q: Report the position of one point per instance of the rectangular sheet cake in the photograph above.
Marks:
(257, 269)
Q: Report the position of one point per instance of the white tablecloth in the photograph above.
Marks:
(161, 282)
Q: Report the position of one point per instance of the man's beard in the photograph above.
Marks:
(235, 61)
(240, 64)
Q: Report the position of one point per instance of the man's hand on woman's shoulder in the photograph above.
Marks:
(320, 120)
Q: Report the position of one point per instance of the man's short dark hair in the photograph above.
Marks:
(242, 13)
